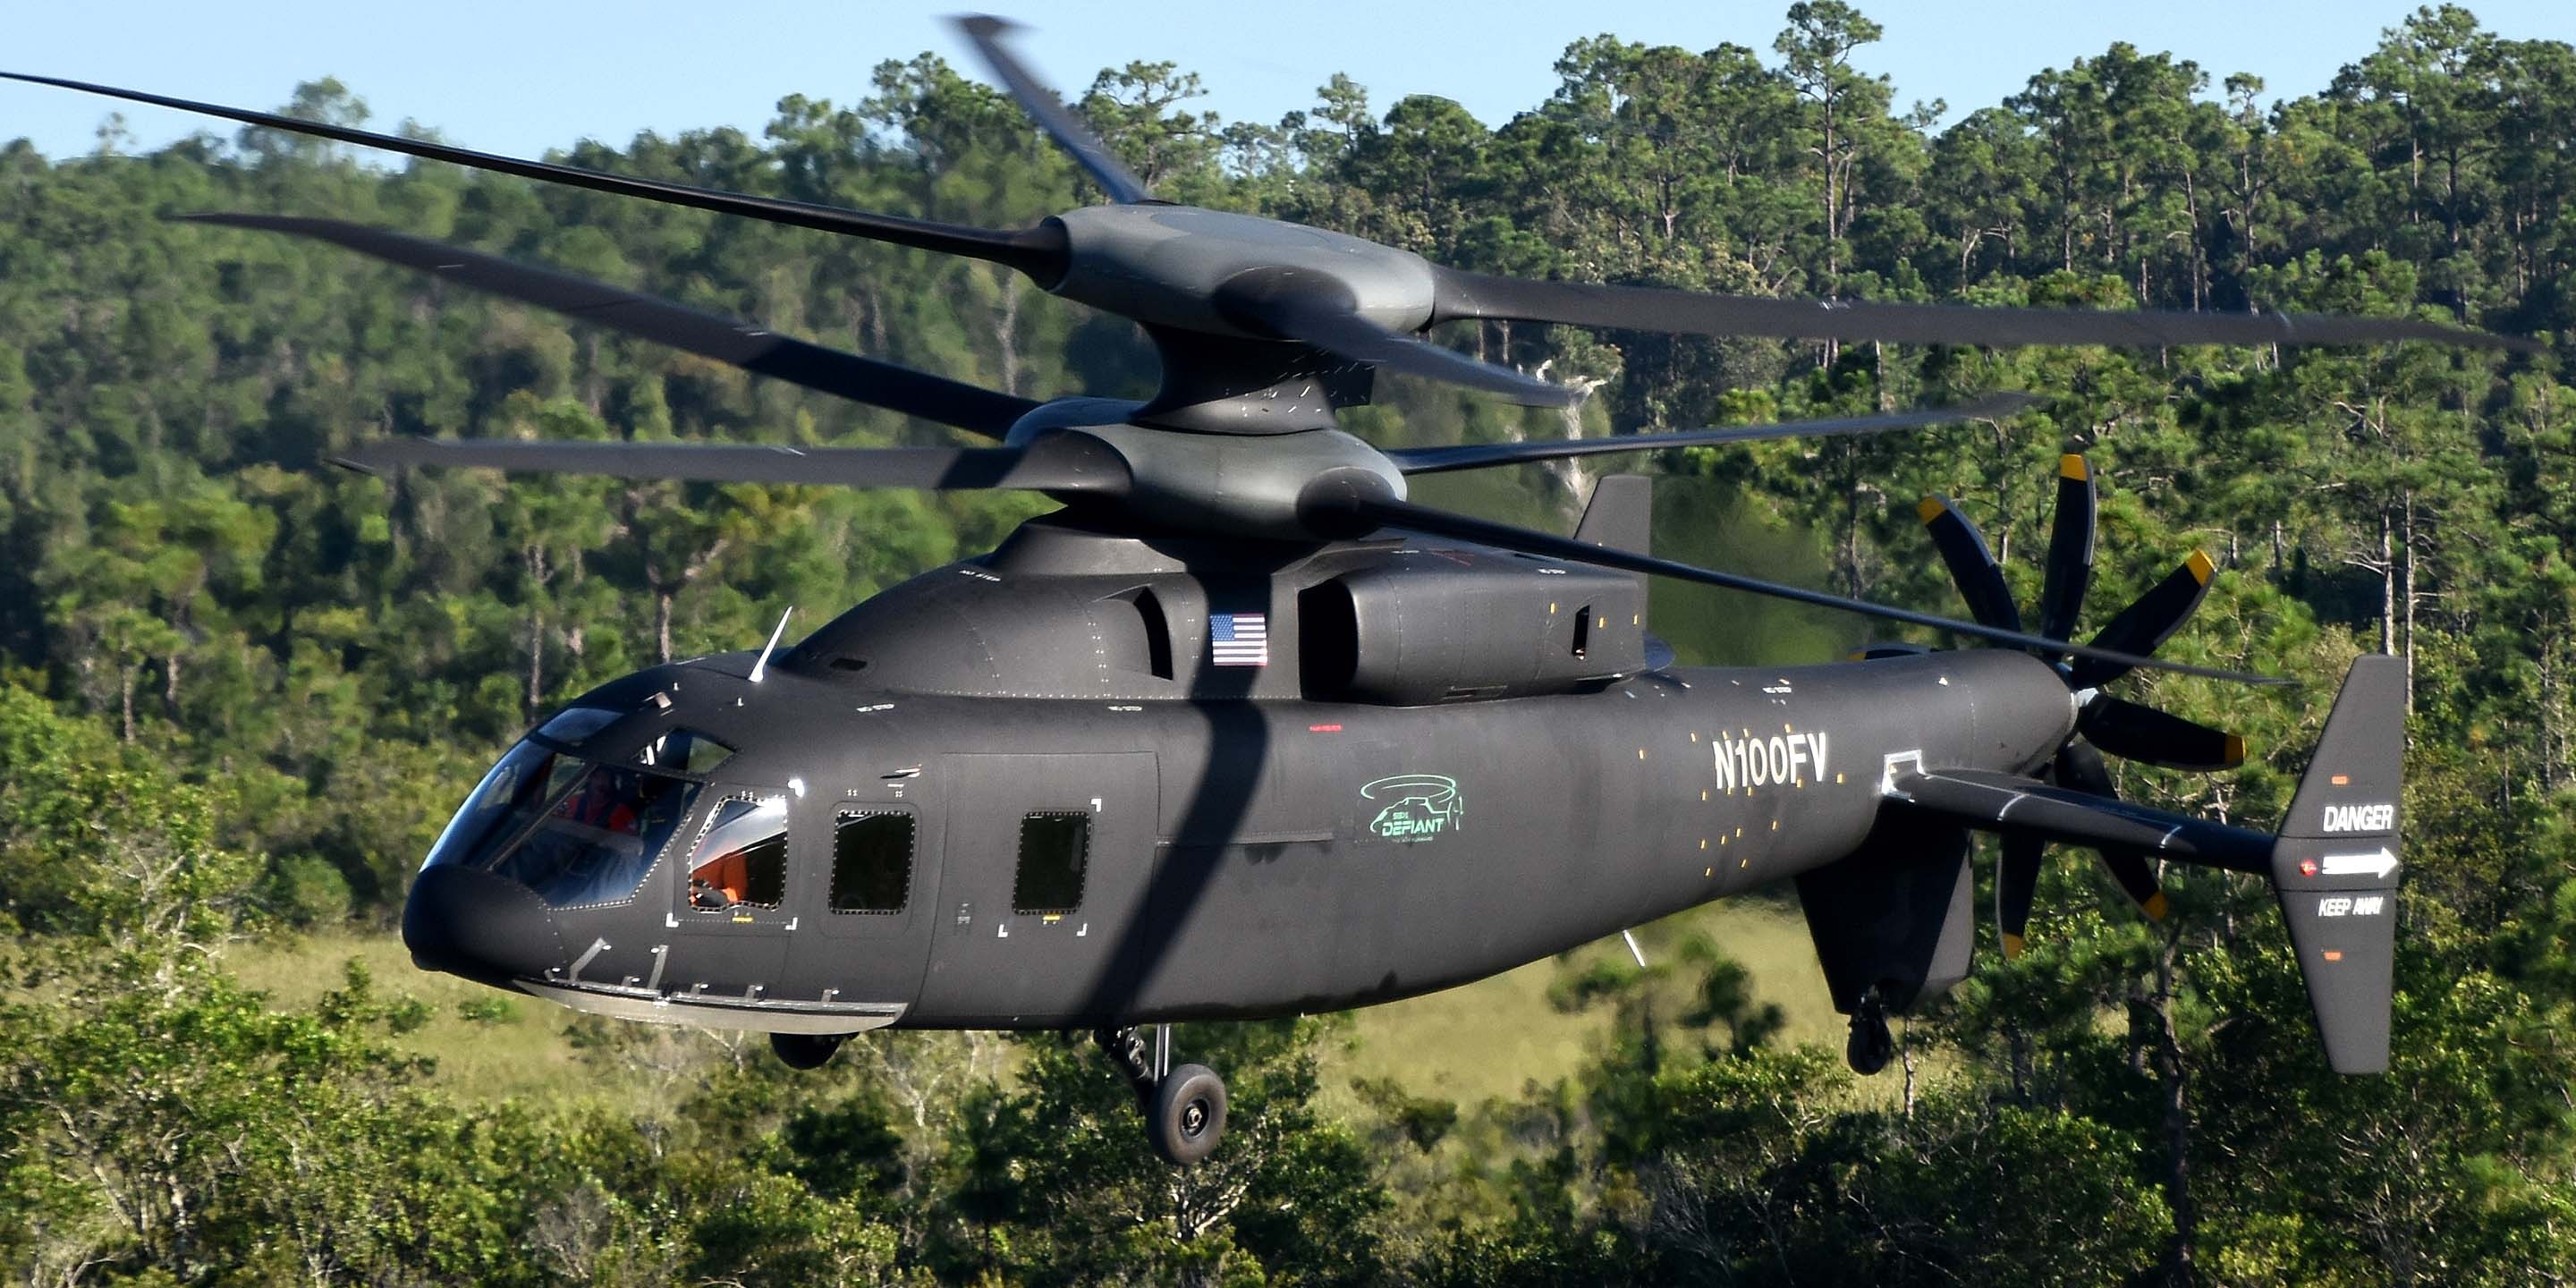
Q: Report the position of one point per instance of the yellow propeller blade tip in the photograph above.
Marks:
(2071, 466)
(2201, 566)
(2235, 751)
(2013, 947)
(2155, 907)
(1931, 508)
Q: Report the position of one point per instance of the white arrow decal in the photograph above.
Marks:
(2377, 864)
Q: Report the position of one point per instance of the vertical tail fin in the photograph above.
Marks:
(1621, 516)
(2335, 865)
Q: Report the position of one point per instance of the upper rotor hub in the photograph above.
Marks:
(1196, 269)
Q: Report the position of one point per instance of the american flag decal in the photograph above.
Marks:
(1239, 639)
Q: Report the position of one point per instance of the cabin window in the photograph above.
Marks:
(1055, 849)
(741, 859)
(871, 860)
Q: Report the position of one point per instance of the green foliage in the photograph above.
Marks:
(237, 693)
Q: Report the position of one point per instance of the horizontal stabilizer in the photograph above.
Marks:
(2010, 803)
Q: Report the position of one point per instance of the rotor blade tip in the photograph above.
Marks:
(982, 24)
(2072, 466)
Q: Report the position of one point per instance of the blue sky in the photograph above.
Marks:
(525, 76)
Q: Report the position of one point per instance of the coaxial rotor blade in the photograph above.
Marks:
(2147, 623)
(1038, 252)
(2070, 549)
(1348, 510)
(2142, 733)
(1321, 313)
(1088, 149)
(1067, 463)
(1972, 564)
(2016, 884)
(1475, 456)
(847, 375)
(1463, 294)
(2079, 767)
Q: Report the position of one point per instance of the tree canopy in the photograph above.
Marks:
(239, 690)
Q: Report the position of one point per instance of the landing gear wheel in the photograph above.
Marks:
(1187, 1117)
(1871, 1045)
(805, 1050)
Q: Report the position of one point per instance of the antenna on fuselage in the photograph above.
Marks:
(762, 666)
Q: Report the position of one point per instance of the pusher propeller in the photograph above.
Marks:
(2102, 722)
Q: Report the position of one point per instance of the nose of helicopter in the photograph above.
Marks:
(480, 926)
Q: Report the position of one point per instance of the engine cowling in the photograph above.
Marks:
(1432, 626)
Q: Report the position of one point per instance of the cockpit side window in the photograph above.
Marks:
(598, 841)
(741, 856)
(871, 860)
(525, 781)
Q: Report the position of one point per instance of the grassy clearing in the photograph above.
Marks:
(1493, 1037)
(521, 1050)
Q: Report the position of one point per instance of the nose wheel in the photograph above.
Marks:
(805, 1050)
(1184, 1108)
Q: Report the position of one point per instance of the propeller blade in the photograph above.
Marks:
(1972, 565)
(1342, 512)
(2148, 623)
(1038, 252)
(2136, 875)
(2016, 884)
(1321, 313)
(1058, 463)
(1088, 150)
(847, 375)
(1476, 456)
(2142, 733)
(1462, 294)
(2080, 768)
(2070, 549)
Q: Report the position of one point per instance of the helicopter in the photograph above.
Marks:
(1240, 731)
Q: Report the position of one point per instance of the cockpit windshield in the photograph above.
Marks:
(574, 831)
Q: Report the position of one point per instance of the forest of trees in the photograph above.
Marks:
(239, 690)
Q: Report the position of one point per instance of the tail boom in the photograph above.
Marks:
(2334, 865)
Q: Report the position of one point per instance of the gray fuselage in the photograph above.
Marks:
(1245, 853)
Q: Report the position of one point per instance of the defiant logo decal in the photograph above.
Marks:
(1419, 807)
(1787, 759)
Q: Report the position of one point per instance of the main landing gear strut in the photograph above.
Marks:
(1184, 1108)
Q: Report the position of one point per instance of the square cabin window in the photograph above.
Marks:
(1055, 849)
(871, 860)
